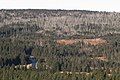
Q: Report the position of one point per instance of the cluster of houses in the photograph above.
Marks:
(32, 62)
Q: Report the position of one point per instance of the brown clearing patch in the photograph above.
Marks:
(96, 41)
(66, 42)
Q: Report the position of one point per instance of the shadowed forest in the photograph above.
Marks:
(67, 44)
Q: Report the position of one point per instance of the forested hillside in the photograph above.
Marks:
(67, 44)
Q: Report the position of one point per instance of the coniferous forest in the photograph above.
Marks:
(59, 45)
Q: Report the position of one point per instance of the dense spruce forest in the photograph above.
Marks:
(67, 44)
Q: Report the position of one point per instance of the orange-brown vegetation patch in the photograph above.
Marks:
(66, 42)
(96, 41)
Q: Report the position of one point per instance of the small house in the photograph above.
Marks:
(33, 61)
